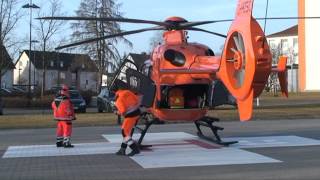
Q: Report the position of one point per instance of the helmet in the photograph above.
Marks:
(64, 90)
(118, 84)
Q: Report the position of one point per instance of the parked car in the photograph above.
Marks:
(5, 92)
(105, 100)
(77, 100)
(17, 91)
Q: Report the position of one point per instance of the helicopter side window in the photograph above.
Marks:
(209, 52)
(175, 57)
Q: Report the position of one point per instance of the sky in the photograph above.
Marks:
(192, 10)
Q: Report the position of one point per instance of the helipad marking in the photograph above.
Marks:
(173, 149)
(272, 141)
(52, 150)
(199, 157)
(153, 137)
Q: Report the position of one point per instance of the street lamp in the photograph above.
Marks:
(34, 65)
(30, 6)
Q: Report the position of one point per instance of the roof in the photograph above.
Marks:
(292, 31)
(7, 62)
(53, 61)
(139, 59)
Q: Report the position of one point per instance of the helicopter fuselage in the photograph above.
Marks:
(189, 70)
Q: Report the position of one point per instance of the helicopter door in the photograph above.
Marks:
(141, 84)
(220, 95)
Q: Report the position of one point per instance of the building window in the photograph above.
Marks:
(83, 66)
(295, 50)
(61, 63)
(20, 63)
(51, 63)
(272, 44)
(284, 46)
(62, 75)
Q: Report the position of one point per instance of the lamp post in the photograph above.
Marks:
(34, 61)
(30, 6)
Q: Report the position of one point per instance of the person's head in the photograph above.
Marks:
(64, 90)
(118, 85)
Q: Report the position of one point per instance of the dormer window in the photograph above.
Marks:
(51, 63)
(61, 63)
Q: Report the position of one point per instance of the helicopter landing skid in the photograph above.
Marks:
(208, 122)
(143, 132)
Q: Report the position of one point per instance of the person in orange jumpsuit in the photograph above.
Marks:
(128, 106)
(63, 113)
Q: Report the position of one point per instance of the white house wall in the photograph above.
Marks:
(87, 80)
(21, 71)
(312, 45)
(7, 79)
(291, 51)
(292, 54)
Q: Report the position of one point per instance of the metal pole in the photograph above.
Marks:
(30, 6)
(29, 87)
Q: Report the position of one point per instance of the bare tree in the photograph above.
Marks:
(9, 16)
(104, 52)
(273, 83)
(46, 29)
(155, 40)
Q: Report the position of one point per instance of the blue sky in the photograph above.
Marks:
(192, 10)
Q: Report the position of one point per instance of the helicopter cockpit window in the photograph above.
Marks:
(209, 52)
(175, 57)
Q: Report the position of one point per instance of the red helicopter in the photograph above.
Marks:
(178, 83)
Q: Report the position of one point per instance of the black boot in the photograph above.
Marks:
(135, 149)
(67, 143)
(59, 144)
(122, 150)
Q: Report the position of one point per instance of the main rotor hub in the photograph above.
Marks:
(174, 22)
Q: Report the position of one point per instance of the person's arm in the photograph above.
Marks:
(53, 106)
(68, 108)
(120, 106)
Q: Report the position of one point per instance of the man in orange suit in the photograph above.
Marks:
(63, 113)
(128, 106)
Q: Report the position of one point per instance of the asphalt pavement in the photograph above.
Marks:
(274, 160)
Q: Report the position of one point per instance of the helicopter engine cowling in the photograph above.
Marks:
(246, 60)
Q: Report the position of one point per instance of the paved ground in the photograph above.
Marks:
(23, 111)
(282, 162)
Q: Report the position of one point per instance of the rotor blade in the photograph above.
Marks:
(202, 30)
(186, 25)
(110, 36)
(282, 18)
(198, 23)
(114, 19)
(241, 43)
(233, 50)
(236, 41)
(239, 75)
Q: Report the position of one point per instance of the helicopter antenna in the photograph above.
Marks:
(265, 22)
